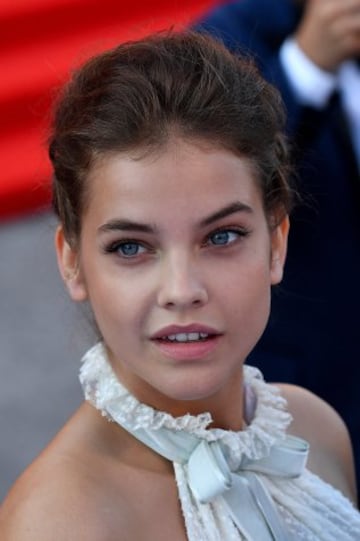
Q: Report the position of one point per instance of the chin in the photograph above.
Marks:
(197, 389)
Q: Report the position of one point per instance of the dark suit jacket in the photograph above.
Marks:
(313, 335)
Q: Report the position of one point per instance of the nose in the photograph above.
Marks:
(182, 285)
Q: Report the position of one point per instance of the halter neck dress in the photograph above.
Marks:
(249, 485)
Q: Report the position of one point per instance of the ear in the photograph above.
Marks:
(68, 261)
(279, 238)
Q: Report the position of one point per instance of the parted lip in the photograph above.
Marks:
(177, 329)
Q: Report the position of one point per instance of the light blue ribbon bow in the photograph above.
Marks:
(245, 495)
(242, 491)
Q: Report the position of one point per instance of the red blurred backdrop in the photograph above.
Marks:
(40, 42)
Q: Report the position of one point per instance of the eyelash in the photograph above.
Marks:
(116, 246)
(240, 232)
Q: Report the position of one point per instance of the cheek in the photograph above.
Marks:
(250, 274)
(250, 295)
(247, 289)
(120, 304)
(113, 302)
(250, 315)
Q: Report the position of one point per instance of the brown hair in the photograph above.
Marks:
(137, 94)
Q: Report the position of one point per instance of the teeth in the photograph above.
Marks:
(187, 337)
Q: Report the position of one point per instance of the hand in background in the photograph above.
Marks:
(329, 32)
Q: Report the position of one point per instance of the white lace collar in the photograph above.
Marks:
(265, 469)
(267, 426)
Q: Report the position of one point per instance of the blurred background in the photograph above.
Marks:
(42, 334)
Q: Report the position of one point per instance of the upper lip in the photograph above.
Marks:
(179, 329)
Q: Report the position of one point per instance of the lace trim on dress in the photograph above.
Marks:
(268, 425)
(311, 509)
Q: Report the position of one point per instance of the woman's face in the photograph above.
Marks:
(177, 260)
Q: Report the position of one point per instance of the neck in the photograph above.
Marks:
(225, 405)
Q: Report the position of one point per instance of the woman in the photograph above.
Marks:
(170, 183)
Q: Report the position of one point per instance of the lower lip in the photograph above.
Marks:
(187, 351)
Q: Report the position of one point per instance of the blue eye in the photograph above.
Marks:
(130, 249)
(126, 248)
(224, 237)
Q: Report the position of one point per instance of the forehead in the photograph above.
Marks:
(186, 176)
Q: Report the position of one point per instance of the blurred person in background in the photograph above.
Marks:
(310, 50)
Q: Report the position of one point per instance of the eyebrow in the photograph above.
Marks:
(233, 208)
(126, 225)
(129, 225)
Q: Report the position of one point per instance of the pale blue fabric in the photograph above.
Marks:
(209, 476)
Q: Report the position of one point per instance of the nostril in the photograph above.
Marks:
(181, 293)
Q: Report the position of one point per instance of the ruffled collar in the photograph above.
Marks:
(267, 424)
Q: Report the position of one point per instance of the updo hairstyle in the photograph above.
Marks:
(139, 94)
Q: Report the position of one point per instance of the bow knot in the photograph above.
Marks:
(245, 495)
(210, 475)
(208, 471)
(242, 491)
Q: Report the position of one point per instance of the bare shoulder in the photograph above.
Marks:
(317, 422)
(94, 482)
(62, 495)
(48, 501)
(61, 498)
